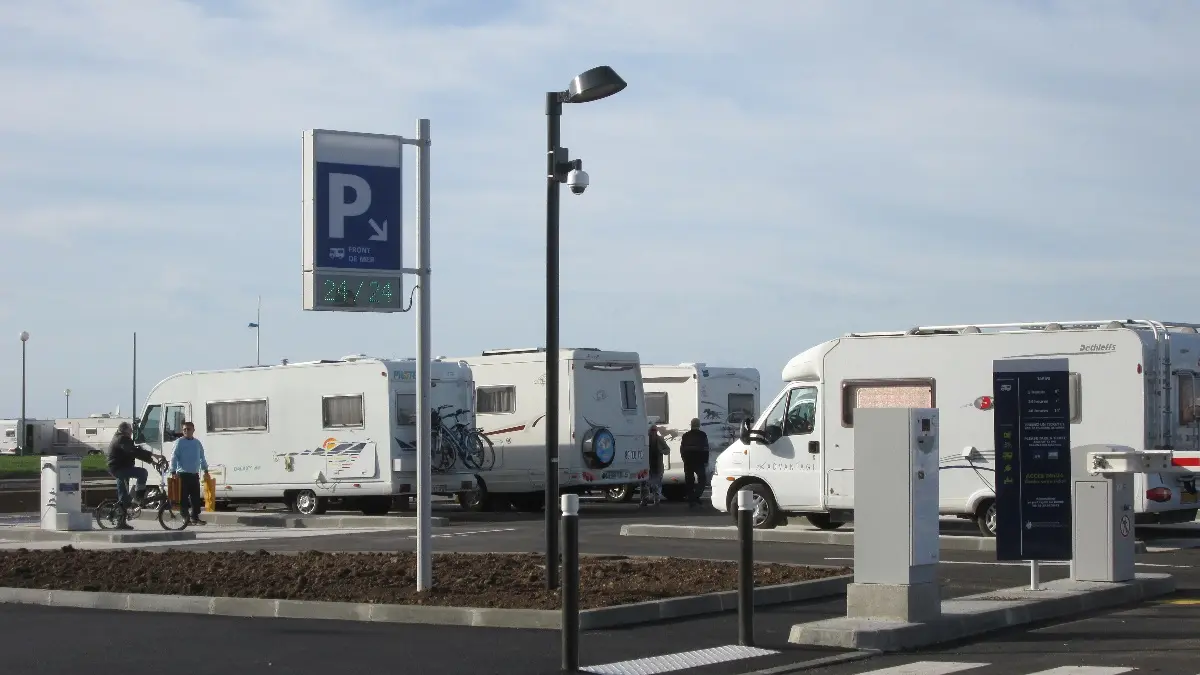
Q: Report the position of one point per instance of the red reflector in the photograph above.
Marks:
(1139, 369)
(1159, 494)
(984, 403)
(1186, 461)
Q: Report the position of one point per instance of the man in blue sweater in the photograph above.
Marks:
(187, 462)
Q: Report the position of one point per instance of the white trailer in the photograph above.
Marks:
(1132, 383)
(721, 398)
(39, 436)
(308, 434)
(602, 428)
(85, 435)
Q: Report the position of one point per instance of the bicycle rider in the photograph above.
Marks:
(122, 452)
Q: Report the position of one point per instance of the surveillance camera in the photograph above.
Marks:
(577, 180)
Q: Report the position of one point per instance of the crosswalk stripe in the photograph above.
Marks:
(684, 660)
(926, 668)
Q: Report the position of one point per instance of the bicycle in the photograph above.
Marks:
(459, 441)
(108, 512)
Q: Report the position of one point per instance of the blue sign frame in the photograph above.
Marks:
(1032, 427)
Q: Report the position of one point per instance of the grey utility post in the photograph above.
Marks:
(896, 517)
(353, 258)
(1102, 479)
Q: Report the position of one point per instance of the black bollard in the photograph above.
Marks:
(746, 568)
(570, 583)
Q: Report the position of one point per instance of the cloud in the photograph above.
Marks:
(770, 178)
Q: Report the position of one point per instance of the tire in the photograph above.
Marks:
(618, 493)
(476, 500)
(985, 518)
(766, 511)
(442, 456)
(309, 504)
(822, 521)
(106, 514)
(170, 518)
(475, 455)
(599, 448)
(487, 448)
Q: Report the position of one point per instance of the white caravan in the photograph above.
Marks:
(86, 435)
(39, 435)
(308, 434)
(721, 398)
(1132, 383)
(602, 423)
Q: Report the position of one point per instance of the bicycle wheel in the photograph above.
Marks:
(169, 517)
(107, 514)
(441, 455)
(474, 454)
(487, 447)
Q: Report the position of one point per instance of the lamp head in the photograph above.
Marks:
(24, 336)
(595, 84)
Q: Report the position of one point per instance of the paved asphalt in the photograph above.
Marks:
(1153, 636)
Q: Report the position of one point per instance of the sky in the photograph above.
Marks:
(776, 174)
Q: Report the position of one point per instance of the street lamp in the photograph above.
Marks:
(68, 395)
(21, 429)
(591, 85)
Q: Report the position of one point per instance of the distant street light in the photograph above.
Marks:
(21, 429)
(591, 85)
(68, 395)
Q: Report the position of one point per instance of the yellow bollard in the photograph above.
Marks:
(210, 493)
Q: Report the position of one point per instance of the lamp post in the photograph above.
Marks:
(67, 393)
(21, 429)
(591, 85)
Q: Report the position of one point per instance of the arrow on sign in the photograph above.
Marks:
(380, 230)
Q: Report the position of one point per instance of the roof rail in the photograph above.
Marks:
(534, 350)
(1033, 326)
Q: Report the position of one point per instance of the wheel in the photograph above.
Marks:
(985, 518)
(442, 454)
(475, 500)
(619, 493)
(822, 521)
(171, 518)
(107, 514)
(487, 450)
(309, 504)
(766, 511)
(474, 456)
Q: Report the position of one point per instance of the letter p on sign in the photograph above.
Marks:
(339, 208)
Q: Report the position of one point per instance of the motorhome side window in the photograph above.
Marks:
(628, 395)
(658, 405)
(741, 407)
(10, 433)
(232, 416)
(885, 394)
(340, 412)
(495, 400)
(1187, 400)
(406, 409)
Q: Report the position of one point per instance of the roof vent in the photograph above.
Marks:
(970, 329)
(1053, 327)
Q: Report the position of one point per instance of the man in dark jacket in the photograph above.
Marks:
(652, 487)
(693, 447)
(122, 452)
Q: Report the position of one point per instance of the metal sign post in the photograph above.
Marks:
(352, 258)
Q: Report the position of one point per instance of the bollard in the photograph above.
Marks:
(570, 583)
(746, 568)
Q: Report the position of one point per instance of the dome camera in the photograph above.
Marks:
(577, 180)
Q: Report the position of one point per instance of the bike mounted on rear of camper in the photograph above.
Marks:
(459, 442)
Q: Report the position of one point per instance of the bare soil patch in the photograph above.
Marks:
(513, 581)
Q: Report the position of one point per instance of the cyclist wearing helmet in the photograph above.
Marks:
(122, 452)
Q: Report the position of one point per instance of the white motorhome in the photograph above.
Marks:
(1132, 383)
(85, 435)
(602, 427)
(721, 398)
(39, 436)
(308, 434)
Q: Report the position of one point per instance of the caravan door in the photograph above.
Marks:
(792, 464)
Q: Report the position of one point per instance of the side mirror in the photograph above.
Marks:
(745, 432)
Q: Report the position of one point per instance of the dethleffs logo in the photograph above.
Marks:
(1097, 348)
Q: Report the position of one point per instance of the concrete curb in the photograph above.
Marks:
(314, 522)
(607, 617)
(788, 535)
(987, 612)
(93, 536)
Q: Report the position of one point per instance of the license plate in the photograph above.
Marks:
(634, 455)
(1187, 497)
(613, 475)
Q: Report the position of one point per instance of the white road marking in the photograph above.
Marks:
(1045, 563)
(681, 661)
(926, 668)
(467, 533)
(1085, 670)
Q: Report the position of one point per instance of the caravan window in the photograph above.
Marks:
(1187, 400)
(495, 400)
(741, 407)
(339, 412)
(226, 416)
(10, 433)
(406, 409)
(658, 406)
(917, 393)
(91, 431)
(62, 436)
(628, 395)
